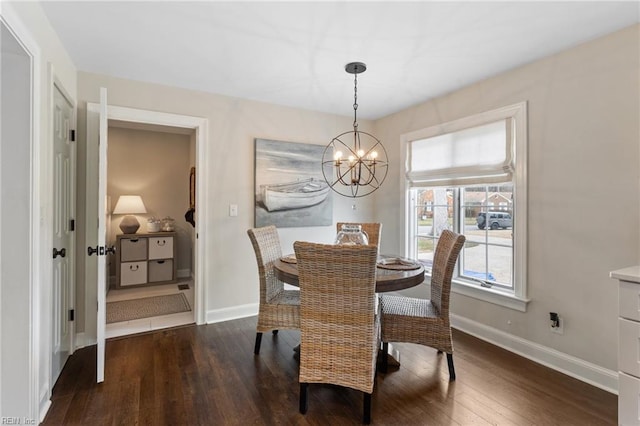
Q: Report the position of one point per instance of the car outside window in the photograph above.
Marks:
(487, 256)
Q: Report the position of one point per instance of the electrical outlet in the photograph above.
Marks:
(559, 329)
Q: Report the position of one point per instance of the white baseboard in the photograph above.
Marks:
(44, 408)
(45, 401)
(575, 367)
(235, 312)
(184, 273)
(83, 340)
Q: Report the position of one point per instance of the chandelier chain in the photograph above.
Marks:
(355, 101)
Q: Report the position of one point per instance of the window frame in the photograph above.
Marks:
(516, 299)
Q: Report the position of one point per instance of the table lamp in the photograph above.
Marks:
(129, 205)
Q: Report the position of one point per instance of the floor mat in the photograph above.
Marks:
(127, 310)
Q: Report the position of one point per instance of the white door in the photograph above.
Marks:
(102, 234)
(63, 214)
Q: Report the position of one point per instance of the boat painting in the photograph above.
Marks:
(290, 191)
(294, 195)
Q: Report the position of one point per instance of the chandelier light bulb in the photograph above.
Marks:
(360, 153)
(338, 155)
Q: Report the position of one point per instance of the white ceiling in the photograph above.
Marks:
(293, 53)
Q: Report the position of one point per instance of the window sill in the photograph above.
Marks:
(497, 297)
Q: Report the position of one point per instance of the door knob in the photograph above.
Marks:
(61, 253)
(101, 250)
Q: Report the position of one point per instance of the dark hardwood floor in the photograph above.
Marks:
(208, 375)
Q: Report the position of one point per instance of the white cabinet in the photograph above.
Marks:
(160, 247)
(145, 259)
(133, 273)
(628, 345)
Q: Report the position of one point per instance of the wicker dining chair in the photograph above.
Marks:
(279, 309)
(373, 230)
(339, 325)
(422, 321)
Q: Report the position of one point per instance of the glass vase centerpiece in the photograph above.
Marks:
(352, 235)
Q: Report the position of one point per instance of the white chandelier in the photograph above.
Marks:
(355, 164)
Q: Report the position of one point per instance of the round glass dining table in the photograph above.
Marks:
(392, 274)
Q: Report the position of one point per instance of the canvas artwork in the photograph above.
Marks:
(290, 190)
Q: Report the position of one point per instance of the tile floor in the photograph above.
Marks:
(153, 323)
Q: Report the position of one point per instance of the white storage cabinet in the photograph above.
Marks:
(628, 345)
(145, 259)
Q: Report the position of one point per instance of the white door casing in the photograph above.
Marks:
(95, 255)
(102, 235)
(62, 239)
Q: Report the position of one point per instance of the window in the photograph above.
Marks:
(469, 176)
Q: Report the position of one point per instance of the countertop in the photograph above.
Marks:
(632, 274)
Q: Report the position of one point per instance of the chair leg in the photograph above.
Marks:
(385, 361)
(274, 332)
(366, 413)
(303, 397)
(452, 371)
(256, 349)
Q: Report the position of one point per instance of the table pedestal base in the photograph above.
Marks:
(393, 358)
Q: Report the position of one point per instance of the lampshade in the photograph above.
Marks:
(129, 205)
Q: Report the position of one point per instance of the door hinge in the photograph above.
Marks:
(72, 313)
(72, 135)
(72, 224)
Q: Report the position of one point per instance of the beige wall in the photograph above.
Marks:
(154, 165)
(583, 188)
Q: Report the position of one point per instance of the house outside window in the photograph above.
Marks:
(471, 173)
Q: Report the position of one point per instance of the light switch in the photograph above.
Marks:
(233, 210)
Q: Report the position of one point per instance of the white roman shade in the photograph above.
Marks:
(479, 154)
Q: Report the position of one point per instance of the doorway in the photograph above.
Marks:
(152, 162)
(98, 116)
